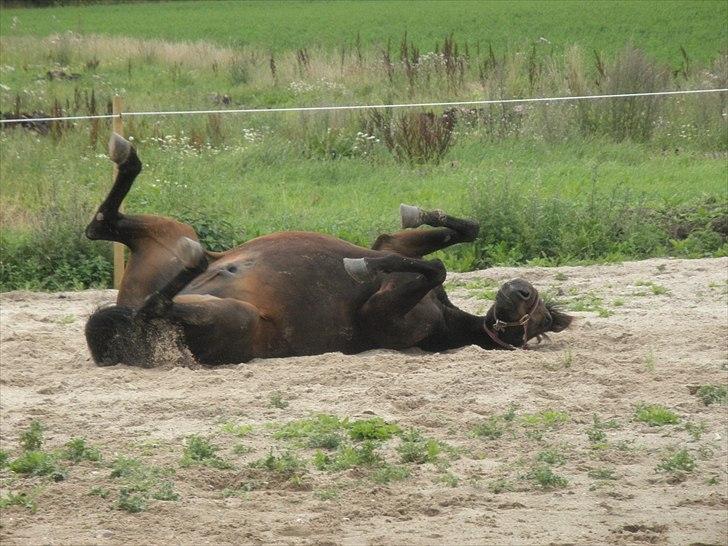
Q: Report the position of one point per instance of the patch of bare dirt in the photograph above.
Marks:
(654, 330)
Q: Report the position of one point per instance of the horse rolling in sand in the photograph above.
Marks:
(293, 293)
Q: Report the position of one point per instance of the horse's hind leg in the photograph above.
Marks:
(154, 241)
(448, 231)
(392, 316)
(423, 276)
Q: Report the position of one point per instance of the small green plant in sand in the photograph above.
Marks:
(286, 467)
(545, 478)
(655, 415)
(679, 461)
(139, 483)
(199, 451)
(552, 456)
(77, 450)
(418, 449)
(501, 485)
(38, 463)
(695, 430)
(22, 499)
(276, 401)
(372, 429)
(494, 427)
(236, 429)
(602, 474)
(349, 456)
(713, 394)
(322, 431)
(390, 473)
(32, 439)
(546, 419)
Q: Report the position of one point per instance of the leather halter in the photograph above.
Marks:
(500, 326)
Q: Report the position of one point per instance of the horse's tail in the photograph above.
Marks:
(110, 335)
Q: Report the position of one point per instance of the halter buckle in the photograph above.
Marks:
(499, 325)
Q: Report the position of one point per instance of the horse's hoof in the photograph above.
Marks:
(357, 269)
(189, 252)
(119, 149)
(411, 216)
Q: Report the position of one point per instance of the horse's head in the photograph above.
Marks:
(519, 314)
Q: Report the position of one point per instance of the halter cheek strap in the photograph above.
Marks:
(500, 326)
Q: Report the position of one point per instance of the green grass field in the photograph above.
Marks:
(658, 27)
(550, 183)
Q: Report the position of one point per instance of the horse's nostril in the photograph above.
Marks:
(525, 294)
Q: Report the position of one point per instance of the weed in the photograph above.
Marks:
(655, 415)
(596, 433)
(552, 457)
(713, 394)
(449, 479)
(4, 457)
(32, 439)
(650, 362)
(695, 431)
(548, 418)
(546, 479)
(198, 450)
(38, 463)
(19, 499)
(276, 401)
(66, 320)
(130, 502)
(417, 449)
(287, 466)
(656, 289)
(500, 486)
(618, 302)
(713, 480)
(124, 467)
(390, 473)
(320, 431)
(76, 450)
(165, 492)
(560, 276)
(589, 302)
(241, 431)
(327, 494)
(372, 429)
(602, 474)
(677, 461)
(241, 449)
(568, 359)
(491, 429)
(98, 491)
(348, 456)
(659, 290)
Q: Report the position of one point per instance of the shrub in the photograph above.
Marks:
(413, 137)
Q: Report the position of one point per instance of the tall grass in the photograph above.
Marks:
(551, 183)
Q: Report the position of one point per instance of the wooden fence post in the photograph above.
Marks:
(118, 127)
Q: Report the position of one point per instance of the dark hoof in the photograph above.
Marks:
(411, 216)
(357, 269)
(119, 149)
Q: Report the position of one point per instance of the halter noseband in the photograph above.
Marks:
(500, 326)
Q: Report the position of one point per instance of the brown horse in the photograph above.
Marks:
(293, 293)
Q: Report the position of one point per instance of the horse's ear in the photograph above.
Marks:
(560, 321)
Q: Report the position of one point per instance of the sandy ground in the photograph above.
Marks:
(659, 340)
